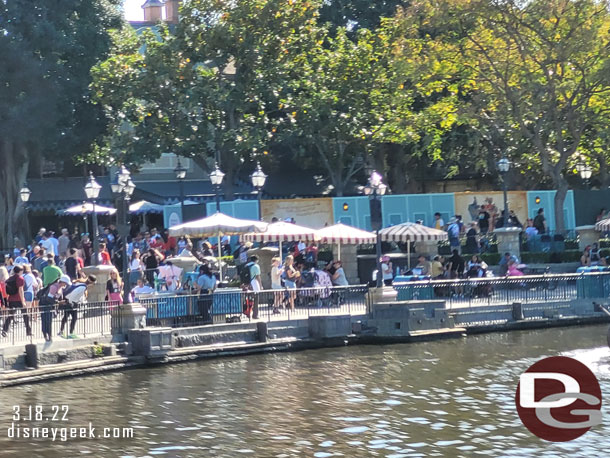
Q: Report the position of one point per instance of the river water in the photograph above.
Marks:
(445, 398)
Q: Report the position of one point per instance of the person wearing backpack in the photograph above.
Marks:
(16, 300)
(75, 295)
(48, 298)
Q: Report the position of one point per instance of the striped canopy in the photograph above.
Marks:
(282, 232)
(216, 225)
(603, 225)
(411, 232)
(341, 233)
(87, 207)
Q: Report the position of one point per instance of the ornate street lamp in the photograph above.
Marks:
(503, 168)
(25, 193)
(216, 178)
(123, 187)
(181, 175)
(258, 178)
(375, 189)
(92, 191)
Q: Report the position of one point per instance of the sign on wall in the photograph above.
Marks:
(315, 213)
(468, 204)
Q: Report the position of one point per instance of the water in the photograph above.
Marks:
(446, 398)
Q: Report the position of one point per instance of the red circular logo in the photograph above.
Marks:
(559, 399)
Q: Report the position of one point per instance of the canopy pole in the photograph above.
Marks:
(409, 254)
(339, 251)
(219, 256)
(280, 251)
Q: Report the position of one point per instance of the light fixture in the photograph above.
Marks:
(123, 175)
(180, 171)
(381, 189)
(345, 207)
(258, 177)
(584, 170)
(537, 200)
(129, 188)
(375, 179)
(25, 193)
(115, 186)
(503, 165)
(92, 188)
(216, 176)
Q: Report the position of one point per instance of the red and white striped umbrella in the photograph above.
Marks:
(603, 225)
(411, 232)
(282, 232)
(345, 235)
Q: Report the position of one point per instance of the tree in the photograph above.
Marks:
(46, 53)
(543, 69)
(208, 89)
(358, 14)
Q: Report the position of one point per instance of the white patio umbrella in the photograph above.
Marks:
(411, 232)
(88, 208)
(603, 225)
(282, 232)
(346, 235)
(142, 207)
(217, 225)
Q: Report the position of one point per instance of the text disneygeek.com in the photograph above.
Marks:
(65, 433)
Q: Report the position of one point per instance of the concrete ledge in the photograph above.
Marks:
(325, 327)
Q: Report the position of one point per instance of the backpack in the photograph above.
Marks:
(245, 275)
(454, 231)
(11, 286)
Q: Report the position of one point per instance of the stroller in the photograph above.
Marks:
(316, 289)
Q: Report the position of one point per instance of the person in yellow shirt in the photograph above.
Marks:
(438, 222)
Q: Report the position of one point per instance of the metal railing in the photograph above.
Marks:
(91, 319)
(506, 290)
(227, 305)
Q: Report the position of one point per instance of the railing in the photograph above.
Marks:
(506, 290)
(92, 319)
(227, 305)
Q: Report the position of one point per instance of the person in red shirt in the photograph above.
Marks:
(104, 256)
(16, 300)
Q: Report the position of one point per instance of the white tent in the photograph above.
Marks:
(217, 225)
(87, 207)
(346, 235)
(282, 232)
(603, 225)
(411, 232)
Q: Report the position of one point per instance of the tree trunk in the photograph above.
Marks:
(560, 196)
(15, 164)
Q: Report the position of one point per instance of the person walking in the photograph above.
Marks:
(63, 243)
(16, 301)
(291, 276)
(540, 222)
(48, 299)
(72, 265)
(75, 296)
(276, 282)
(472, 245)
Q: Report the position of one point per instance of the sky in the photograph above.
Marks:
(133, 10)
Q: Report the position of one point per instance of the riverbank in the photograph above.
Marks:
(242, 339)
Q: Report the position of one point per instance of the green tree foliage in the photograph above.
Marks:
(542, 71)
(358, 14)
(206, 90)
(46, 52)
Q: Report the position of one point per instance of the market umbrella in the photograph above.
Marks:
(143, 207)
(603, 225)
(411, 232)
(346, 235)
(282, 232)
(88, 208)
(217, 225)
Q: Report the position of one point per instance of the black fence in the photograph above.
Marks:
(26, 325)
(229, 305)
(506, 290)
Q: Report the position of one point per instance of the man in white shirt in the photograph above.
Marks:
(47, 244)
(75, 295)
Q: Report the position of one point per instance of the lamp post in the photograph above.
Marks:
(375, 189)
(216, 178)
(92, 191)
(25, 194)
(504, 167)
(181, 175)
(124, 188)
(585, 171)
(258, 178)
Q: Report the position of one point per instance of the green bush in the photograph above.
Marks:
(492, 259)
